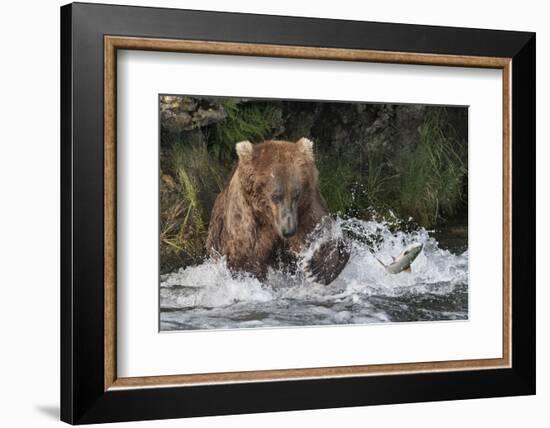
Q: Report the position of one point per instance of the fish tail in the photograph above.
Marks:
(378, 260)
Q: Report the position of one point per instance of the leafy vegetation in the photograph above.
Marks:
(245, 121)
(187, 196)
(336, 181)
(432, 181)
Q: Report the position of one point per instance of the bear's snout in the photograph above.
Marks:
(288, 226)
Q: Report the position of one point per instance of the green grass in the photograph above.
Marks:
(187, 195)
(381, 185)
(336, 180)
(432, 180)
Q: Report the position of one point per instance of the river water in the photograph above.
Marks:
(208, 296)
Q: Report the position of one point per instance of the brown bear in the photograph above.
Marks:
(270, 205)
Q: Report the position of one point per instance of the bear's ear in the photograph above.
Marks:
(306, 146)
(244, 150)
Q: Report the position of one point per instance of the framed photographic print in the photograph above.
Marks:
(266, 213)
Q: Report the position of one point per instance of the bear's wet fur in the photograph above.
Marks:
(270, 204)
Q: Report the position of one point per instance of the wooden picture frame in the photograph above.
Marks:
(91, 390)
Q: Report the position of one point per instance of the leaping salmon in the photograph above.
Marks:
(402, 263)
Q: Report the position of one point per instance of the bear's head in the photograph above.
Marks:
(279, 180)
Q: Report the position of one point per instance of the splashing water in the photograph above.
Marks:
(209, 296)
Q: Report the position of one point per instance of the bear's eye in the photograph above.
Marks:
(276, 197)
